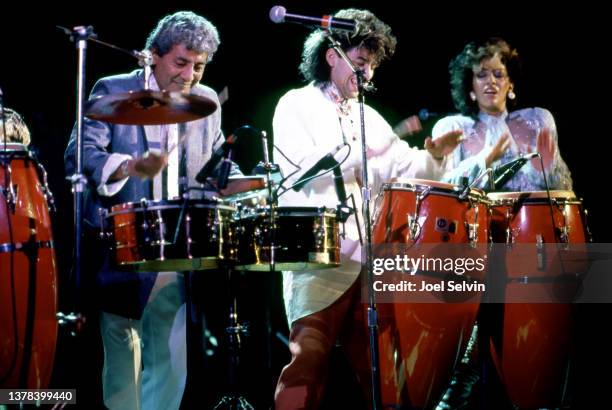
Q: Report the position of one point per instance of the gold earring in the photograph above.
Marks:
(511, 95)
(472, 96)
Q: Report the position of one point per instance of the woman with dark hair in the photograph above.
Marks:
(483, 84)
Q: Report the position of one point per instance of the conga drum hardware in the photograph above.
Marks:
(9, 190)
(42, 173)
(28, 274)
(414, 222)
(472, 228)
(535, 228)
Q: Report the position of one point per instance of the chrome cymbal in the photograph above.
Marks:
(148, 107)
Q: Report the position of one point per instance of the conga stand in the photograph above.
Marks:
(366, 194)
(235, 330)
(195, 341)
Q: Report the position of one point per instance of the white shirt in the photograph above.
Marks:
(308, 124)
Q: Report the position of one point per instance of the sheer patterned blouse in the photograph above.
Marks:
(468, 159)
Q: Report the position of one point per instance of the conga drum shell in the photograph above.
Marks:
(420, 343)
(28, 276)
(531, 349)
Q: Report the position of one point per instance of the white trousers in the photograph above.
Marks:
(145, 363)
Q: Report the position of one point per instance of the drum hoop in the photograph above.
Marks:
(533, 197)
(131, 207)
(13, 148)
(535, 201)
(298, 211)
(23, 154)
(475, 194)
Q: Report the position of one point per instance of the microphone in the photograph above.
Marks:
(505, 172)
(324, 164)
(221, 153)
(224, 170)
(278, 14)
(339, 185)
(425, 114)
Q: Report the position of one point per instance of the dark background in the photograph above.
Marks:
(562, 48)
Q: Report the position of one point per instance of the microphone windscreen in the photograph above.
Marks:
(277, 14)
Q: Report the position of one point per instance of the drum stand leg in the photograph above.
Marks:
(235, 331)
(195, 342)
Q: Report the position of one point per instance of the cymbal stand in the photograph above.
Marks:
(236, 330)
(79, 35)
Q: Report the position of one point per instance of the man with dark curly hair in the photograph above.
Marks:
(310, 122)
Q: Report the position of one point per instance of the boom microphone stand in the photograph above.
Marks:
(366, 195)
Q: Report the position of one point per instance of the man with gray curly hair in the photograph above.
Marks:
(187, 28)
(143, 314)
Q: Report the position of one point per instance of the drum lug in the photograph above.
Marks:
(540, 252)
(45, 188)
(319, 231)
(563, 232)
(102, 213)
(509, 236)
(473, 227)
(9, 191)
(472, 233)
(589, 235)
(414, 226)
(414, 221)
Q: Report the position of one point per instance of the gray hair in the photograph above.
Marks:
(187, 28)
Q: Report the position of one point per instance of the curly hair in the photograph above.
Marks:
(16, 129)
(461, 70)
(371, 34)
(184, 27)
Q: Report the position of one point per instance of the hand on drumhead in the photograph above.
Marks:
(147, 166)
(443, 145)
(497, 150)
(545, 146)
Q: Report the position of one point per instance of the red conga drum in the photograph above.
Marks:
(420, 343)
(532, 349)
(28, 273)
